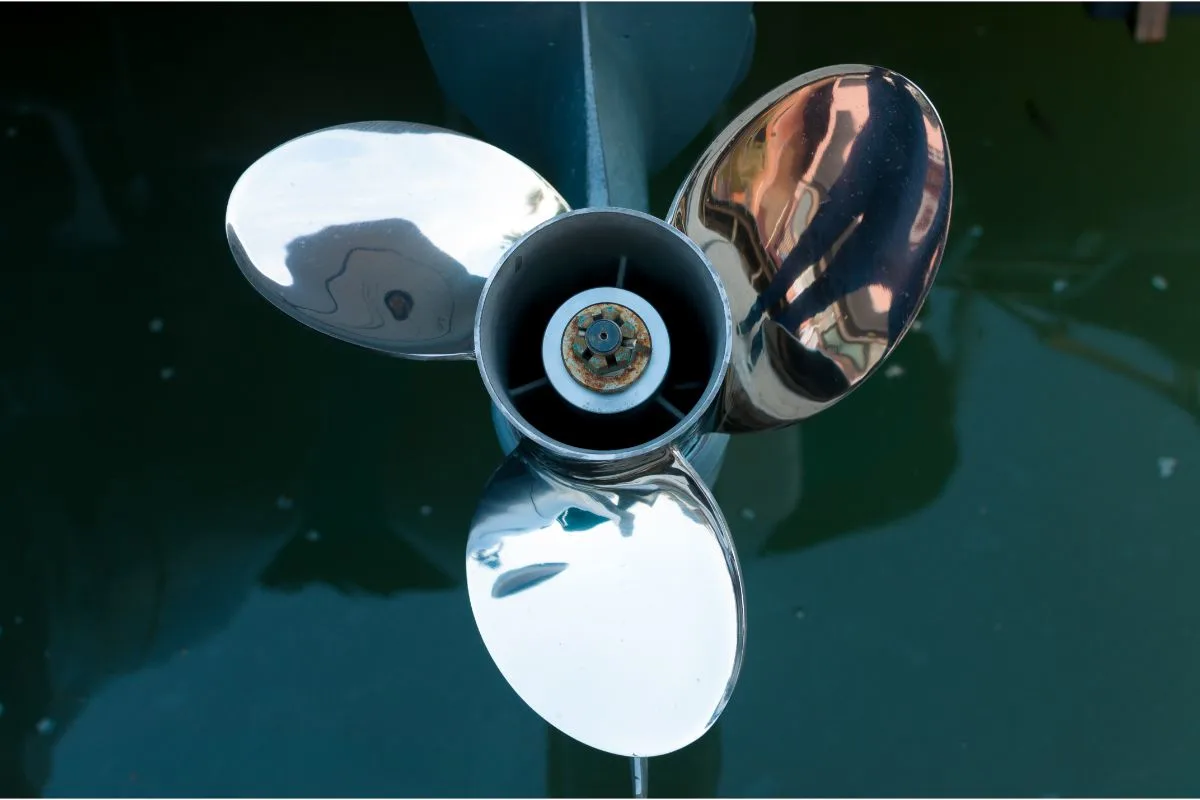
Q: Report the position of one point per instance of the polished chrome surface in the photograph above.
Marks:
(824, 207)
(584, 249)
(613, 607)
(383, 233)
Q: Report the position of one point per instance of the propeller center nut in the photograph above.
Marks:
(606, 347)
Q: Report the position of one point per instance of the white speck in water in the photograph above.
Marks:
(1166, 466)
(426, 511)
(894, 371)
(1060, 285)
(313, 536)
(799, 613)
(976, 231)
(1159, 282)
(166, 373)
(156, 325)
(748, 514)
(917, 325)
(45, 726)
(17, 620)
(284, 503)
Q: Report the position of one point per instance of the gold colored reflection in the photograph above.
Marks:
(824, 208)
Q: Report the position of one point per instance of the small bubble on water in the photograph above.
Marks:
(156, 325)
(1159, 282)
(426, 511)
(748, 514)
(799, 612)
(1060, 285)
(917, 325)
(1166, 466)
(894, 371)
(313, 536)
(284, 503)
(18, 619)
(166, 373)
(45, 726)
(976, 231)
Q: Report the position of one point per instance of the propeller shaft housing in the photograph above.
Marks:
(661, 290)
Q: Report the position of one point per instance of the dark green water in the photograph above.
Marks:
(230, 549)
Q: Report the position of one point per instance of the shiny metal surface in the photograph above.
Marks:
(546, 268)
(613, 607)
(346, 667)
(824, 207)
(549, 266)
(383, 233)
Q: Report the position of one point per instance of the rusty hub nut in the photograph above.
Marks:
(606, 347)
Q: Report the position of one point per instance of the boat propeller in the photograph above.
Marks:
(618, 350)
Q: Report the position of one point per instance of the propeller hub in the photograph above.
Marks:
(603, 292)
(606, 347)
(602, 334)
(606, 350)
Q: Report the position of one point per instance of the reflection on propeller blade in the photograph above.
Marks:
(824, 207)
(383, 233)
(626, 635)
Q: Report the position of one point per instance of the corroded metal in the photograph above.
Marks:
(616, 369)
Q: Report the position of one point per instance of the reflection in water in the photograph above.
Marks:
(1075, 307)
(576, 770)
(111, 567)
(859, 470)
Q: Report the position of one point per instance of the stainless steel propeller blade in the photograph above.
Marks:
(617, 349)
(613, 606)
(383, 233)
(825, 208)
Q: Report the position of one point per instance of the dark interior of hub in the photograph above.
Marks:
(585, 252)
